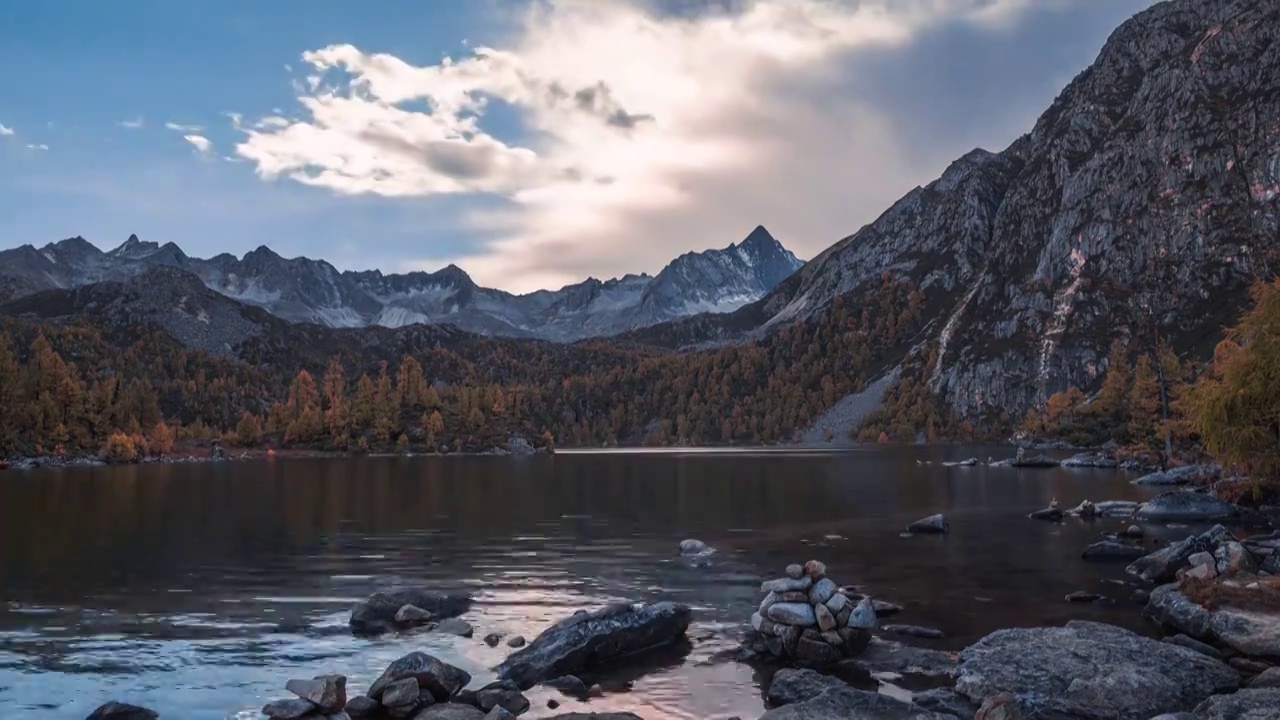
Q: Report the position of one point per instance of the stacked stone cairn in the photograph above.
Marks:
(806, 619)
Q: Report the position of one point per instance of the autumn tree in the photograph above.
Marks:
(411, 386)
(385, 408)
(336, 414)
(432, 425)
(8, 396)
(248, 430)
(1144, 403)
(160, 438)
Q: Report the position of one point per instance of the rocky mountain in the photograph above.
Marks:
(1141, 206)
(313, 291)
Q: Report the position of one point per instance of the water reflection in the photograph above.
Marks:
(199, 589)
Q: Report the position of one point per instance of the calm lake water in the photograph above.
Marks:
(197, 590)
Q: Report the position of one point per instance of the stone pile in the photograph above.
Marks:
(807, 619)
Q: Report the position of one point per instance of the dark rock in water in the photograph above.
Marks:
(1112, 550)
(511, 700)
(122, 711)
(846, 702)
(455, 626)
(327, 692)
(885, 608)
(401, 695)
(1249, 632)
(466, 697)
(1199, 474)
(1247, 704)
(932, 525)
(553, 703)
(409, 615)
(1051, 514)
(1037, 461)
(889, 656)
(361, 706)
(290, 709)
(1184, 506)
(816, 653)
(1163, 564)
(1090, 460)
(437, 676)
(492, 639)
(1078, 670)
(595, 691)
(377, 614)
(450, 711)
(792, 686)
(693, 547)
(1080, 596)
(914, 631)
(1133, 532)
(946, 701)
(1193, 644)
(588, 640)
(517, 642)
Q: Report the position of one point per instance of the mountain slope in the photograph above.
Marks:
(313, 291)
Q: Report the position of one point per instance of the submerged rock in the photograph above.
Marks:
(1184, 506)
(932, 525)
(1052, 513)
(586, 640)
(1090, 670)
(377, 614)
(1252, 632)
(889, 656)
(914, 631)
(1111, 550)
(122, 711)
(1036, 461)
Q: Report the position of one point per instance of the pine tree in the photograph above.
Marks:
(411, 387)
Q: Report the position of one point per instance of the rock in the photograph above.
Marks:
(790, 637)
(822, 591)
(327, 692)
(693, 547)
(863, 615)
(1193, 644)
(1110, 550)
(499, 713)
(888, 656)
(517, 642)
(377, 614)
(1247, 704)
(884, 608)
(816, 652)
(595, 691)
(361, 706)
(1184, 506)
(788, 613)
(553, 703)
(1081, 596)
(466, 697)
(492, 639)
(1200, 558)
(122, 711)
(440, 678)
(1162, 565)
(1090, 670)
(1051, 514)
(1231, 557)
(762, 625)
(854, 639)
(511, 700)
(1198, 474)
(400, 694)
(794, 571)
(1085, 509)
(794, 686)
(768, 600)
(1090, 460)
(782, 585)
(1001, 706)
(815, 570)
(932, 525)
(569, 685)
(1269, 678)
(794, 596)
(1133, 532)
(832, 637)
(914, 631)
(290, 709)
(837, 602)
(1140, 596)
(945, 701)
(1198, 572)
(412, 615)
(1116, 508)
(450, 711)
(1036, 461)
(596, 638)
(826, 621)
(1246, 631)
(455, 626)
(1248, 666)
(846, 702)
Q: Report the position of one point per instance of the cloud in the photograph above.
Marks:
(5, 131)
(643, 134)
(201, 143)
(179, 127)
(133, 124)
(37, 146)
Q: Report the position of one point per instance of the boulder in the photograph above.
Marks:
(822, 591)
(1091, 670)
(1185, 506)
(122, 711)
(800, 614)
(1252, 632)
(401, 695)
(409, 615)
(1111, 550)
(586, 640)
(1162, 565)
(693, 547)
(290, 709)
(569, 685)
(1198, 474)
(327, 692)
(932, 525)
(377, 614)
(455, 626)
(793, 686)
(1247, 704)
(863, 615)
(1269, 678)
(914, 631)
(440, 678)
(1231, 557)
(361, 706)
(846, 702)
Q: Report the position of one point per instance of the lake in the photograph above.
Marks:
(197, 590)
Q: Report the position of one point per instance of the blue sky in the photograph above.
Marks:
(601, 137)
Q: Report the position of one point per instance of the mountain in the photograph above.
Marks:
(313, 291)
(1141, 207)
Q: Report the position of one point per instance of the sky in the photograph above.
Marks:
(531, 142)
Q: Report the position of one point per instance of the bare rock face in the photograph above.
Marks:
(1090, 670)
(586, 640)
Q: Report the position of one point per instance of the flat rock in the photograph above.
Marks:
(122, 711)
(846, 702)
(932, 525)
(455, 626)
(1184, 506)
(328, 692)
(1247, 631)
(585, 640)
(946, 701)
(440, 678)
(1116, 508)
(787, 584)
(1035, 461)
(889, 656)
(1090, 460)
(799, 614)
(1162, 565)
(1199, 474)
(790, 685)
(1112, 551)
(1090, 670)
(1247, 704)
(377, 614)
(290, 709)
(914, 631)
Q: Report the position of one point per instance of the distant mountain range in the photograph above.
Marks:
(302, 290)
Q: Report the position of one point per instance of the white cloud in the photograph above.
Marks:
(650, 135)
(179, 127)
(200, 142)
(133, 124)
(5, 131)
(37, 146)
